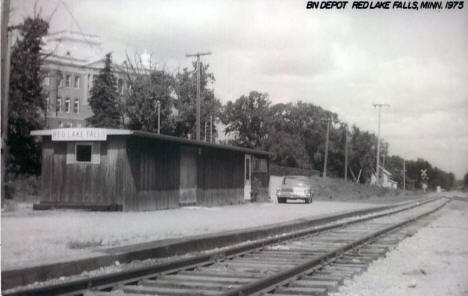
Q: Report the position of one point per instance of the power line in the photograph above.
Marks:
(79, 27)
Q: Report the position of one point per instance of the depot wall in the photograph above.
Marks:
(134, 173)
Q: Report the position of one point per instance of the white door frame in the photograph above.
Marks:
(247, 176)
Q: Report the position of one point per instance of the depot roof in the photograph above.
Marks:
(100, 134)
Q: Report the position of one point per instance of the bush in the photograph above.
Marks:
(23, 188)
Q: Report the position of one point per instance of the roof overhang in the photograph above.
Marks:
(100, 134)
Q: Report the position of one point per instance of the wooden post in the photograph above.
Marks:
(346, 158)
(211, 128)
(197, 55)
(324, 175)
(5, 82)
(404, 174)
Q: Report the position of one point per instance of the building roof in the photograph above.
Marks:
(100, 134)
(73, 47)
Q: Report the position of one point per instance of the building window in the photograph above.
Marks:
(67, 105)
(60, 124)
(120, 86)
(77, 82)
(83, 152)
(58, 105)
(60, 79)
(68, 81)
(76, 106)
(47, 79)
(47, 100)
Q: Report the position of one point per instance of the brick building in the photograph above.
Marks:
(73, 60)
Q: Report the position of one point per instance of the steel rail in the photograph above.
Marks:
(262, 284)
(134, 274)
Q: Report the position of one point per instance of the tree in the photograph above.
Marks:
(104, 99)
(246, 118)
(186, 92)
(26, 98)
(146, 87)
(285, 130)
(362, 154)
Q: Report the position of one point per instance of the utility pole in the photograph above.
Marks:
(211, 128)
(198, 55)
(377, 166)
(326, 148)
(5, 83)
(205, 130)
(346, 157)
(404, 174)
(158, 103)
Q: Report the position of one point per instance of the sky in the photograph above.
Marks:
(343, 60)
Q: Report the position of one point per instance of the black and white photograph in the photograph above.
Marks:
(262, 147)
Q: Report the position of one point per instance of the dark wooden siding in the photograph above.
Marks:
(155, 169)
(141, 173)
(220, 176)
(188, 175)
(88, 184)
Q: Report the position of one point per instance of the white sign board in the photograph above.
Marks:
(79, 134)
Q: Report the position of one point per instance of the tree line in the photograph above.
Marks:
(294, 132)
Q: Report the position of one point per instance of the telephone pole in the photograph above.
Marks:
(205, 131)
(346, 157)
(211, 128)
(377, 166)
(326, 147)
(5, 82)
(404, 174)
(158, 104)
(198, 55)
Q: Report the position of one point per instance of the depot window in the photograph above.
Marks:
(83, 152)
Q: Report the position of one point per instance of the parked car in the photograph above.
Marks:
(295, 187)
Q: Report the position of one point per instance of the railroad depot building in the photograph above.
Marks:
(116, 169)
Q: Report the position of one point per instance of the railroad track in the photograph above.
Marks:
(308, 262)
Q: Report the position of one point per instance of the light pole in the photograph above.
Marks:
(377, 166)
(158, 104)
(198, 54)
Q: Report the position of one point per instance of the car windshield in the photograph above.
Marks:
(296, 181)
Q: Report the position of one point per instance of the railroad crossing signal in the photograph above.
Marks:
(424, 174)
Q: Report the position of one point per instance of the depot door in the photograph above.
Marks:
(247, 176)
